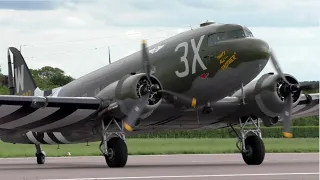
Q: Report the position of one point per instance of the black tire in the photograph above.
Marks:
(119, 155)
(256, 150)
(41, 158)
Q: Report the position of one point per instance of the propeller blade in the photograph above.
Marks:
(276, 66)
(287, 117)
(135, 113)
(180, 98)
(145, 60)
(138, 108)
(288, 100)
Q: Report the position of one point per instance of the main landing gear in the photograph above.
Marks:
(41, 155)
(251, 144)
(113, 145)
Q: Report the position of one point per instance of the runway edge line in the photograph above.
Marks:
(189, 176)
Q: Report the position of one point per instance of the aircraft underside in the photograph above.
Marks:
(114, 133)
(86, 131)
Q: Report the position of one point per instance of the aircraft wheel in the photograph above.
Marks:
(41, 158)
(117, 153)
(255, 150)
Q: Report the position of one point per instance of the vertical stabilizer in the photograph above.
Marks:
(23, 81)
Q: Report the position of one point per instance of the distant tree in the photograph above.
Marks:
(49, 77)
(4, 90)
(310, 86)
(46, 78)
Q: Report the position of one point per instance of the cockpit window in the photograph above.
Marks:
(235, 34)
(248, 33)
(216, 37)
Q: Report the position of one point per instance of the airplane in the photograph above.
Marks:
(203, 78)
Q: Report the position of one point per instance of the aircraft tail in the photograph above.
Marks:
(20, 80)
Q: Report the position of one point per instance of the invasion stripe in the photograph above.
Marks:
(47, 93)
(78, 115)
(56, 116)
(53, 138)
(78, 125)
(23, 111)
(306, 108)
(165, 121)
(39, 137)
(35, 116)
(61, 138)
(32, 138)
(8, 109)
(48, 139)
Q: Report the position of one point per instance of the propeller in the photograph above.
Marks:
(287, 90)
(149, 88)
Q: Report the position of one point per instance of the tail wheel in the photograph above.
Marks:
(117, 153)
(41, 158)
(255, 150)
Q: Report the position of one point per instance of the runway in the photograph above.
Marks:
(225, 167)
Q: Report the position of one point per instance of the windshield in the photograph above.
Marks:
(220, 36)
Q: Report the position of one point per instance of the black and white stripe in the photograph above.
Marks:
(47, 138)
(26, 118)
(57, 112)
(22, 112)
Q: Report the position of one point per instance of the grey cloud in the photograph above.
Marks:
(36, 4)
(28, 5)
(186, 12)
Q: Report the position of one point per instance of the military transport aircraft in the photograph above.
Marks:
(201, 78)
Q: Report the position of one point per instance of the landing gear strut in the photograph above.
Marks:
(251, 144)
(113, 145)
(41, 155)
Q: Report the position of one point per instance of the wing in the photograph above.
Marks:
(234, 107)
(43, 113)
(307, 106)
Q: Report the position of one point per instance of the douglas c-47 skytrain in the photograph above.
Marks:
(198, 79)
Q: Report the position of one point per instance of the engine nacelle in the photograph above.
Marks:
(128, 91)
(265, 97)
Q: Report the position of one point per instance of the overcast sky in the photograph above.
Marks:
(74, 34)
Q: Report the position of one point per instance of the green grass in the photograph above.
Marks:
(164, 146)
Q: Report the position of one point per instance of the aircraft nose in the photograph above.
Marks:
(257, 45)
(248, 48)
(254, 48)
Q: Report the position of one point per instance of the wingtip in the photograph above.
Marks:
(127, 126)
(287, 134)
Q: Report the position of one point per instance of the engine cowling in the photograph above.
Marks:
(265, 97)
(128, 90)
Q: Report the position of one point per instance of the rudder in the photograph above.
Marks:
(23, 81)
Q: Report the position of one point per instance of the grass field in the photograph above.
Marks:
(163, 146)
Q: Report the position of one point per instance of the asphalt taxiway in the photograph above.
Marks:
(227, 166)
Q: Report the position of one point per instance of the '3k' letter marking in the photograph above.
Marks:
(196, 57)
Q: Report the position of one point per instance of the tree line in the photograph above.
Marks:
(46, 78)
